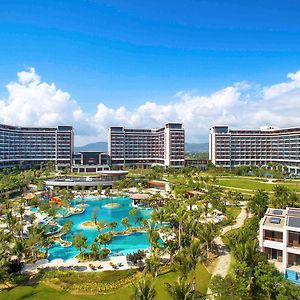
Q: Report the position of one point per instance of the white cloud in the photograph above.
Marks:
(284, 87)
(33, 102)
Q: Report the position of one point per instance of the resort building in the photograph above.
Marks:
(246, 147)
(279, 238)
(27, 146)
(147, 147)
(90, 162)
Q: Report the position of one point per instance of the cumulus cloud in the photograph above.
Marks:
(34, 102)
(284, 87)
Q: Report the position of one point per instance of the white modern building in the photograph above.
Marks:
(147, 147)
(279, 238)
(26, 146)
(246, 147)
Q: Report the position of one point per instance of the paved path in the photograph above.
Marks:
(223, 260)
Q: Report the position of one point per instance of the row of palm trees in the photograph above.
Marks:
(186, 240)
(18, 245)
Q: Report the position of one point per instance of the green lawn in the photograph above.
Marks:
(252, 184)
(43, 292)
(235, 210)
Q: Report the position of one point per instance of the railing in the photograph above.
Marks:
(273, 239)
(295, 245)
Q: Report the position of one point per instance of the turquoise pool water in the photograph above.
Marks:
(125, 244)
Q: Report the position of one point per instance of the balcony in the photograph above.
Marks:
(268, 238)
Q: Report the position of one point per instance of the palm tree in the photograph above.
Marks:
(101, 225)
(207, 234)
(182, 263)
(180, 216)
(112, 225)
(196, 253)
(153, 237)
(94, 214)
(181, 289)
(125, 223)
(103, 239)
(79, 242)
(152, 264)
(133, 213)
(94, 250)
(143, 290)
(82, 194)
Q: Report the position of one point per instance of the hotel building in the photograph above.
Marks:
(26, 146)
(147, 147)
(279, 238)
(90, 162)
(246, 147)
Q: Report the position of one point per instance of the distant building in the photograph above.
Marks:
(90, 162)
(197, 163)
(246, 147)
(147, 147)
(279, 238)
(27, 146)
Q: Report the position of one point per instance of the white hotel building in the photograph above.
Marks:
(279, 238)
(247, 147)
(147, 147)
(26, 146)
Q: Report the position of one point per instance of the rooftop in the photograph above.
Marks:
(274, 222)
(278, 218)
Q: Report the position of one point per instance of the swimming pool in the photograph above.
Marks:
(124, 243)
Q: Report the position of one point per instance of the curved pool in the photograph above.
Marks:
(123, 243)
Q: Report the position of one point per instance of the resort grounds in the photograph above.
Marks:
(204, 197)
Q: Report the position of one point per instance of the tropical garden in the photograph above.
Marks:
(180, 267)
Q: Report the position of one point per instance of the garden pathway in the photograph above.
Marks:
(223, 260)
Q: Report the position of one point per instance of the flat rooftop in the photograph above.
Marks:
(277, 218)
(275, 222)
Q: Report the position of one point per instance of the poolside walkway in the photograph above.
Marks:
(80, 267)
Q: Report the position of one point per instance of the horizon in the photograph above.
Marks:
(94, 64)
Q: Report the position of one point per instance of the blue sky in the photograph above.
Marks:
(129, 52)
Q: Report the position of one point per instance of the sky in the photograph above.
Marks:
(95, 64)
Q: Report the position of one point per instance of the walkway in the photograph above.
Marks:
(81, 267)
(223, 260)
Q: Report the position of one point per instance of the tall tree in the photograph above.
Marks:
(79, 242)
(258, 204)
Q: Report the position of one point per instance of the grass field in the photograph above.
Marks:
(252, 184)
(235, 210)
(43, 292)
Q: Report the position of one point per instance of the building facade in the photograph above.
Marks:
(90, 162)
(197, 163)
(279, 238)
(27, 146)
(147, 147)
(230, 148)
